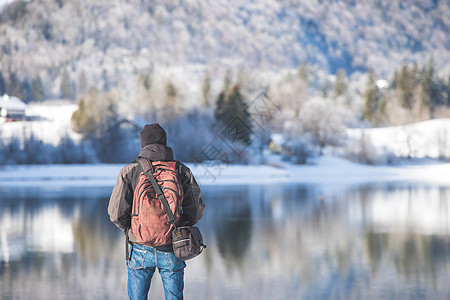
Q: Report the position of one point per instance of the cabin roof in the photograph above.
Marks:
(12, 103)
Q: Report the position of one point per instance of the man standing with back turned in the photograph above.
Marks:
(147, 251)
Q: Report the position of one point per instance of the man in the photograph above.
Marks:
(142, 260)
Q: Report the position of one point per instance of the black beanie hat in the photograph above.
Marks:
(153, 134)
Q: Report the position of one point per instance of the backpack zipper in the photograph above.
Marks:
(180, 241)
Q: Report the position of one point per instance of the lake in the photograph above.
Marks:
(372, 241)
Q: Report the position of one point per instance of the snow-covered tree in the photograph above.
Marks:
(190, 134)
(142, 102)
(124, 38)
(290, 94)
(323, 121)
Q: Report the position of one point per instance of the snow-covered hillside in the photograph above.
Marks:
(428, 139)
(109, 43)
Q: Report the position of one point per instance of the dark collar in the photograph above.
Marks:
(157, 152)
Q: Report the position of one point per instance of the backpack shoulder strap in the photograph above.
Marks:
(147, 168)
(145, 164)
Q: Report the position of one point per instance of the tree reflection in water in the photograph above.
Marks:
(233, 234)
(264, 242)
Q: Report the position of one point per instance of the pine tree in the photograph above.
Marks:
(405, 87)
(25, 90)
(108, 136)
(142, 103)
(232, 113)
(171, 107)
(304, 72)
(171, 92)
(341, 85)
(82, 84)
(2, 84)
(145, 79)
(37, 91)
(395, 79)
(85, 118)
(429, 97)
(15, 86)
(106, 83)
(96, 114)
(220, 110)
(447, 92)
(236, 106)
(206, 89)
(371, 99)
(66, 87)
(227, 81)
(325, 88)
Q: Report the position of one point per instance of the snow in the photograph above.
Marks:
(425, 213)
(325, 170)
(52, 124)
(429, 139)
(50, 231)
(12, 103)
(4, 2)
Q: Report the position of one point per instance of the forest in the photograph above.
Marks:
(307, 70)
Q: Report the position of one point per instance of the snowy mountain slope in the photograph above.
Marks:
(111, 42)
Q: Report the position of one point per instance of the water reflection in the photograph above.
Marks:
(264, 242)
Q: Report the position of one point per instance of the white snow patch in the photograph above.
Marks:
(325, 170)
(424, 139)
(52, 123)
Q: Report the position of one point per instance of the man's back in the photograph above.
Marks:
(145, 256)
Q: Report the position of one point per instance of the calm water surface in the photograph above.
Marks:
(380, 241)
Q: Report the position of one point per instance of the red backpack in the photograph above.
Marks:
(149, 222)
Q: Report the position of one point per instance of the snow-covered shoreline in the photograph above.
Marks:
(325, 170)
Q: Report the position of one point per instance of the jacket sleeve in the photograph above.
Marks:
(193, 206)
(121, 200)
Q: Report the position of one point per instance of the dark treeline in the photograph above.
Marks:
(415, 93)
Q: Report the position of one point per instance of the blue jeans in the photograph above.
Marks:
(142, 265)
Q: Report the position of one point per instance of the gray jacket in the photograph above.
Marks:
(121, 200)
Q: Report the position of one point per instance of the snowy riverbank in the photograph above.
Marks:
(324, 170)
